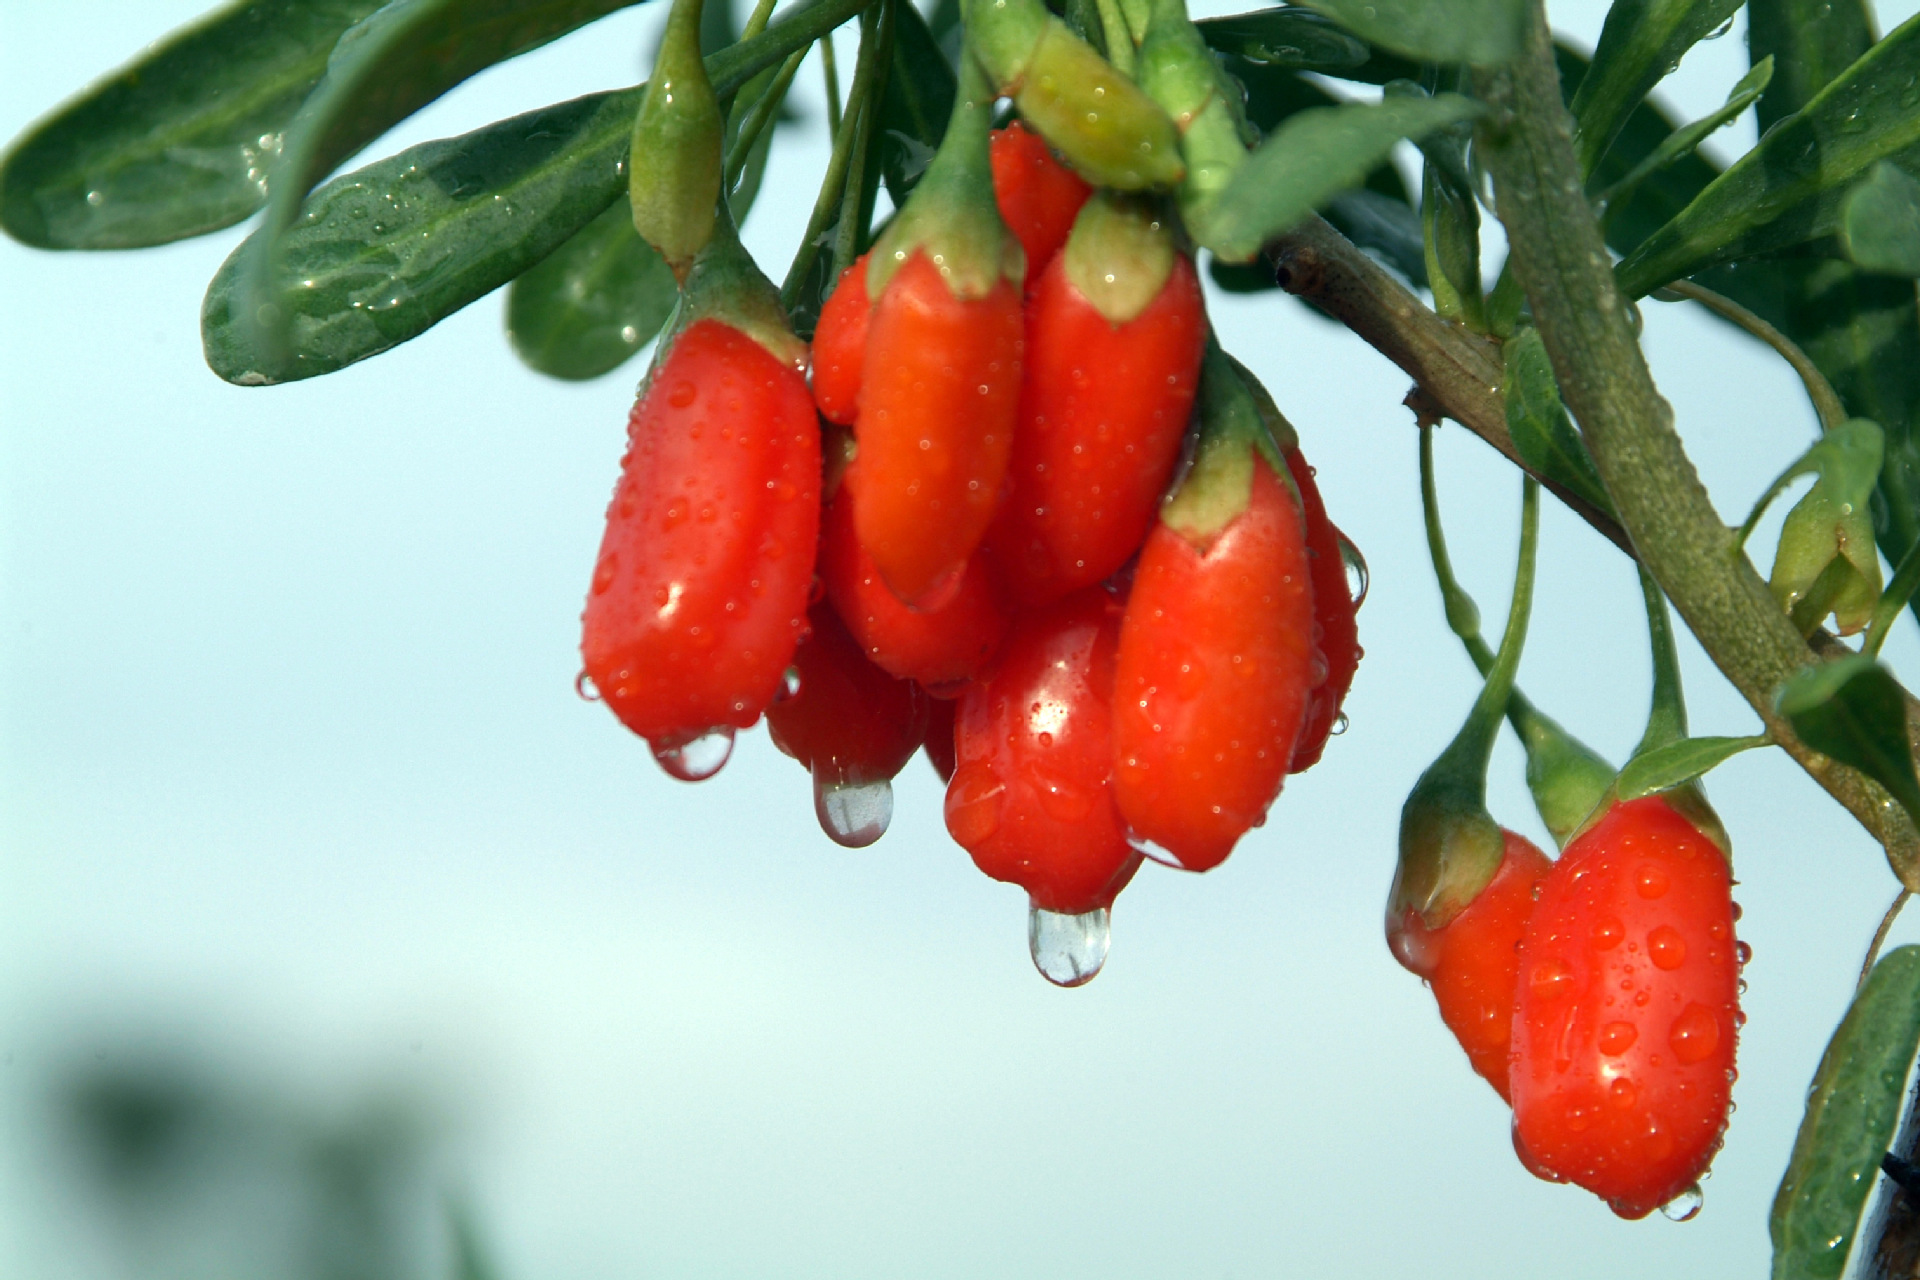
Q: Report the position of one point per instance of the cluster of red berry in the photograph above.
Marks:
(996, 552)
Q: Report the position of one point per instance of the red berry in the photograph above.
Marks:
(1216, 663)
(1103, 408)
(1030, 798)
(1626, 1009)
(700, 591)
(1334, 608)
(940, 748)
(1038, 196)
(840, 346)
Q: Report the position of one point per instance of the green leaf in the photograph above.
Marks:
(1677, 762)
(177, 142)
(1286, 37)
(1481, 32)
(915, 105)
(1312, 157)
(1853, 1112)
(1685, 141)
(385, 252)
(1542, 433)
(1855, 711)
(1811, 43)
(1790, 188)
(1640, 45)
(1880, 222)
(594, 302)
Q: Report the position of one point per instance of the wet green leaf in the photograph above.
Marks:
(1542, 432)
(594, 302)
(1855, 711)
(1880, 222)
(1678, 762)
(1640, 45)
(177, 142)
(1790, 187)
(1685, 141)
(1286, 37)
(1811, 42)
(1314, 156)
(915, 106)
(1853, 1112)
(1481, 32)
(383, 253)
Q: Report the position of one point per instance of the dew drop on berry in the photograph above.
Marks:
(1652, 881)
(1742, 953)
(1618, 1037)
(1154, 852)
(1356, 567)
(1666, 948)
(1607, 932)
(1684, 1207)
(853, 815)
(1068, 950)
(584, 686)
(1550, 979)
(1695, 1034)
(789, 685)
(974, 801)
(698, 757)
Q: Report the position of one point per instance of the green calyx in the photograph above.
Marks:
(1119, 254)
(1450, 846)
(723, 283)
(678, 146)
(1566, 778)
(951, 217)
(1232, 430)
(1102, 122)
(1179, 72)
(1826, 554)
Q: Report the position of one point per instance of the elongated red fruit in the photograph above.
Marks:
(1031, 798)
(938, 396)
(1103, 408)
(840, 346)
(1626, 1010)
(1037, 195)
(1216, 663)
(938, 647)
(1334, 610)
(1474, 962)
(700, 592)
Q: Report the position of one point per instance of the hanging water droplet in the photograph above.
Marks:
(584, 686)
(1684, 1207)
(1720, 30)
(1339, 725)
(1158, 853)
(853, 814)
(1356, 566)
(1068, 950)
(789, 685)
(697, 758)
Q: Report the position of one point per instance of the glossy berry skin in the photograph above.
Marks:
(1334, 610)
(1473, 963)
(940, 748)
(1031, 798)
(700, 591)
(1216, 664)
(850, 723)
(1103, 408)
(840, 346)
(938, 647)
(1038, 196)
(939, 392)
(1625, 1014)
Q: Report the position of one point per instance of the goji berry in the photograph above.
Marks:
(1334, 610)
(1037, 195)
(1626, 1010)
(940, 748)
(840, 346)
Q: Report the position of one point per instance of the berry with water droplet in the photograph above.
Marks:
(1036, 194)
(1638, 901)
(1031, 798)
(1336, 601)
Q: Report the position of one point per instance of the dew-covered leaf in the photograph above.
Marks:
(1481, 32)
(1684, 141)
(1855, 711)
(1640, 45)
(1678, 762)
(592, 303)
(1880, 222)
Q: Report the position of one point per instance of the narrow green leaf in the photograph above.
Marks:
(1853, 1112)
(1481, 32)
(1678, 762)
(1811, 43)
(1542, 432)
(594, 302)
(1286, 37)
(1312, 157)
(1880, 222)
(1685, 141)
(177, 142)
(1855, 711)
(916, 104)
(1790, 187)
(383, 253)
(1640, 45)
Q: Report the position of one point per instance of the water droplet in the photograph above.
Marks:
(1695, 1034)
(974, 801)
(1618, 1037)
(1684, 1207)
(853, 815)
(604, 573)
(1339, 725)
(1742, 953)
(1155, 852)
(1551, 979)
(1666, 948)
(584, 686)
(1622, 1093)
(789, 685)
(1652, 881)
(697, 757)
(1356, 567)
(1719, 31)
(1068, 950)
(682, 394)
(1607, 932)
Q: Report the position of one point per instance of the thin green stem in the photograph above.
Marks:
(1667, 717)
(832, 184)
(869, 83)
(1880, 935)
(1120, 50)
(1893, 601)
(1558, 256)
(1826, 402)
(760, 117)
(830, 72)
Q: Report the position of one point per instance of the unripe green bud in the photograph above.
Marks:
(678, 146)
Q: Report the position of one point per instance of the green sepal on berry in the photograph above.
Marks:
(724, 283)
(1119, 254)
(1103, 123)
(1233, 440)
(1450, 846)
(678, 147)
(1180, 73)
(952, 217)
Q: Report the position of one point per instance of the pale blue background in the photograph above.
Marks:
(295, 785)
